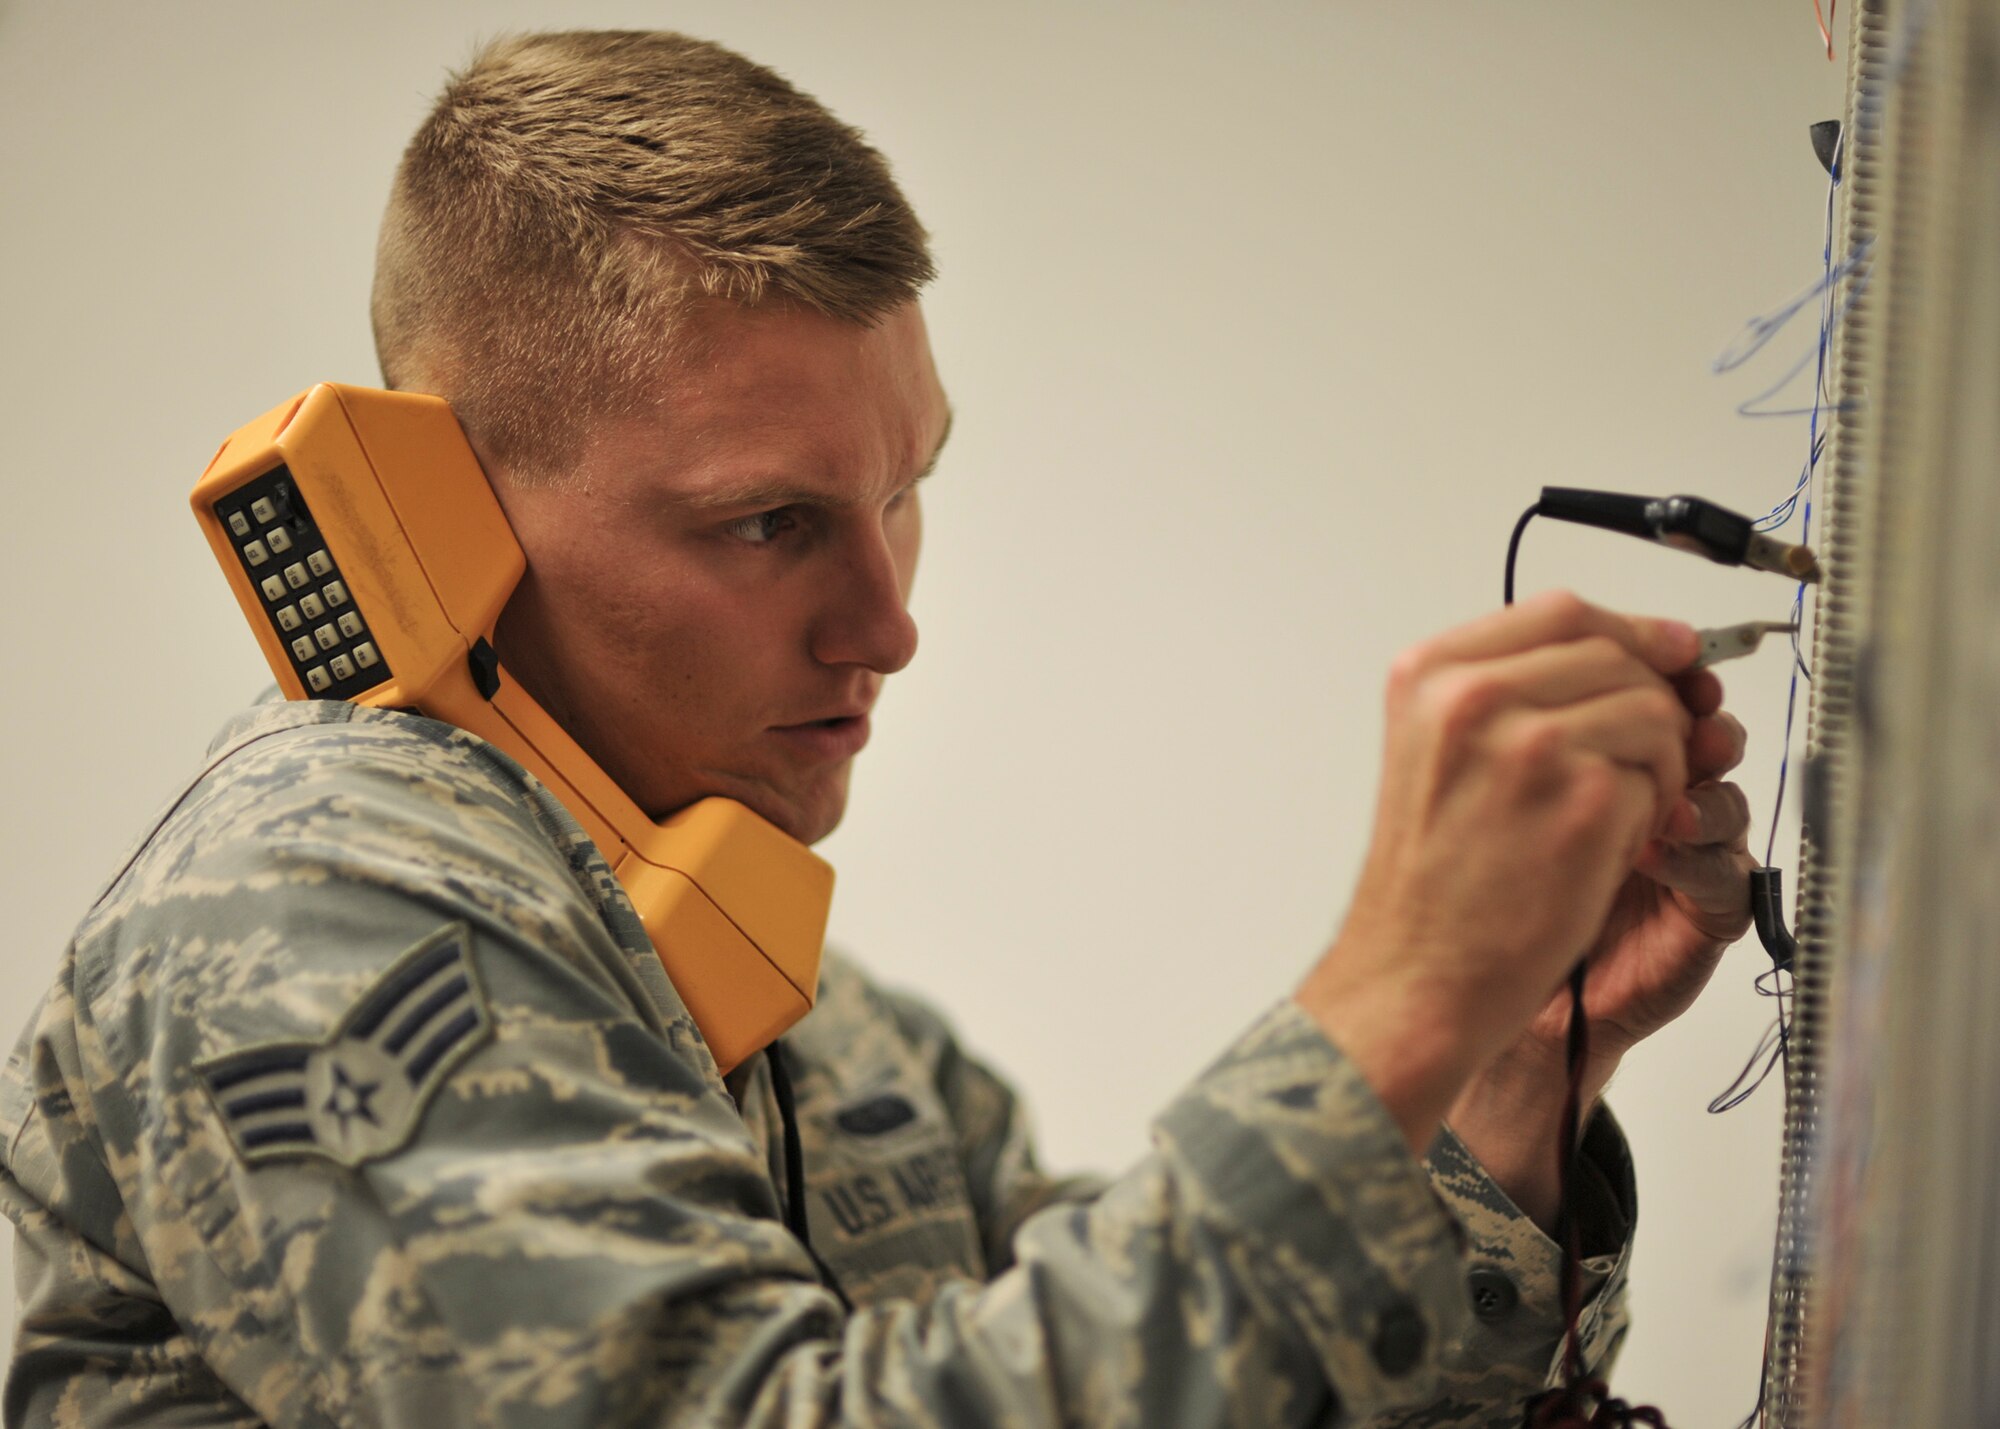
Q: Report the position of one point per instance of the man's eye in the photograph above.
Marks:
(764, 526)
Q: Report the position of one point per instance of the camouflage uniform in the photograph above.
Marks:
(361, 1098)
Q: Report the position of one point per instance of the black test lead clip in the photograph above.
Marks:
(1767, 911)
(1687, 523)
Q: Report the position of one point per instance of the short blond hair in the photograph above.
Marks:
(572, 195)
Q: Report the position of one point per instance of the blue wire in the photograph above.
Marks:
(1859, 269)
(1784, 767)
(1870, 107)
(1801, 496)
(1782, 512)
(1758, 332)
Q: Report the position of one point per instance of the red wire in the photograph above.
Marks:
(1823, 21)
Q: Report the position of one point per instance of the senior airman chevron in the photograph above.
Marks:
(359, 1095)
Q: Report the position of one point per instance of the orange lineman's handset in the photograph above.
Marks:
(372, 558)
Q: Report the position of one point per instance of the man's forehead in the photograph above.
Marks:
(777, 378)
(829, 437)
(780, 464)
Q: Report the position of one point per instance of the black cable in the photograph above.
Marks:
(795, 1167)
(1578, 1395)
(1569, 1151)
(1514, 551)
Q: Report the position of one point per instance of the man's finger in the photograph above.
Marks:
(1636, 728)
(1711, 814)
(1714, 879)
(1551, 676)
(1715, 745)
(1553, 617)
(1700, 691)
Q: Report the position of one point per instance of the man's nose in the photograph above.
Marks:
(866, 620)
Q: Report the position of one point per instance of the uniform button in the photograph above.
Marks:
(1399, 1339)
(1493, 1294)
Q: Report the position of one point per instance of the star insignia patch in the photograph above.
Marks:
(358, 1095)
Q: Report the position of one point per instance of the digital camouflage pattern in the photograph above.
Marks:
(360, 1098)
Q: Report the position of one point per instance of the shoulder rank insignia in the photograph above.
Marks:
(359, 1094)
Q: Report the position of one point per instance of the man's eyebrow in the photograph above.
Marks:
(938, 450)
(781, 493)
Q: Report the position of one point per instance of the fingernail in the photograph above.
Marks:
(1681, 640)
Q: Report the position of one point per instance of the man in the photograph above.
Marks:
(674, 304)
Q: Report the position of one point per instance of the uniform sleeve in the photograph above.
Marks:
(1512, 1345)
(541, 1208)
(1508, 1349)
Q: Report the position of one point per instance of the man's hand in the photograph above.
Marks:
(1686, 901)
(1533, 758)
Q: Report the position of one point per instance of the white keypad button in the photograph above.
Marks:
(335, 592)
(327, 636)
(302, 648)
(318, 678)
(278, 539)
(288, 617)
(364, 655)
(342, 667)
(255, 553)
(273, 588)
(310, 607)
(319, 563)
(239, 524)
(264, 511)
(295, 575)
(350, 624)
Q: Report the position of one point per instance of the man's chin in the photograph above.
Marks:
(807, 815)
(812, 820)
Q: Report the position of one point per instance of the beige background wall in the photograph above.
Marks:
(1262, 323)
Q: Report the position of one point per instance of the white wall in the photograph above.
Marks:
(1261, 328)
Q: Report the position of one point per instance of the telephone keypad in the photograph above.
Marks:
(268, 516)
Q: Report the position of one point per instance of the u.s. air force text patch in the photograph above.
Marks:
(359, 1094)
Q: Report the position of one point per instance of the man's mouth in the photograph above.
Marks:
(835, 720)
(837, 737)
